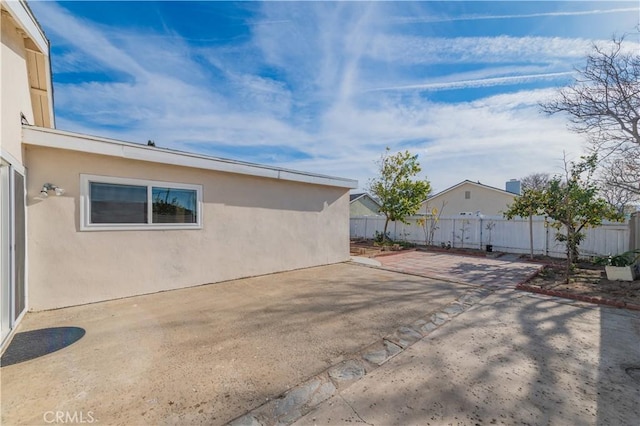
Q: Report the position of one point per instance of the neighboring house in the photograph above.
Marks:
(469, 198)
(362, 204)
(86, 219)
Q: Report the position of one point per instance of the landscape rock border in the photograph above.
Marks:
(579, 297)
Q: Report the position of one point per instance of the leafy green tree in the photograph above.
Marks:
(533, 182)
(572, 202)
(399, 193)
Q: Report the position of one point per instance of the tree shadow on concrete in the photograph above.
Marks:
(238, 343)
(619, 367)
(489, 274)
(472, 270)
(518, 360)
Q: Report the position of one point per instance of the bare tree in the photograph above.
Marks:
(623, 172)
(604, 103)
(537, 181)
(619, 182)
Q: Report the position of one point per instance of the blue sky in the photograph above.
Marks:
(326, 86)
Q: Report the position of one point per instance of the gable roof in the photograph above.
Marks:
(355, 197)
(53, 138)
(467, 181)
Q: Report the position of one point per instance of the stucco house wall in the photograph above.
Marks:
(487, 200)
(14, 96)
(254, 219)
(251, 226)
(25, 94)
(24, 73)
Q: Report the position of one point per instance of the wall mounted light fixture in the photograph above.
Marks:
(48, 187)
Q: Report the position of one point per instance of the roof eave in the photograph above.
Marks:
(53, 138)
(451, 188)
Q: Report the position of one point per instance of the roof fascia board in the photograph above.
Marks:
(472, 183)
(142, 154)
(316, 179)
(365, 195)
(448, 189)
(23, 16)
(501, 191)
(373, 200)
(50, 138)
(357, 198)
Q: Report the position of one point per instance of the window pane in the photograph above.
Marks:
(171, 205)
(112, 203)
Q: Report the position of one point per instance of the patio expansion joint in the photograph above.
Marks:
(303, 398)
(354, 410)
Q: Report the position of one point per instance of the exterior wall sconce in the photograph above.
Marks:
(48, 187)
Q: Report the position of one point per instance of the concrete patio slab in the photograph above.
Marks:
(512, 359)
(476, 270)
(208, 354)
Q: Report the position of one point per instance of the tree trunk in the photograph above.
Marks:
(384, 233)
(531, 234)
(571, 251)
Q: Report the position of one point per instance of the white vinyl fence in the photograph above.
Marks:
(510, 236)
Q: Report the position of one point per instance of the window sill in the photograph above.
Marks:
(141, 227)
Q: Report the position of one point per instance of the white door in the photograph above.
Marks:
(12, 247)
(5, 250)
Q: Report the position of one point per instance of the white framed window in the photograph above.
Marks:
(114, 203)
(467, 195)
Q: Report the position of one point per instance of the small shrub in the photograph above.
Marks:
(627, 258)
(406, 244)
(380, 237)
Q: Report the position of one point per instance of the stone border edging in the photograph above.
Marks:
(531, 276)
(522, 285)
(459, 251)
(394, 252)
(579, 297)
(301, 399)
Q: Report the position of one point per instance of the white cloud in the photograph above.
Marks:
(481, 82)
(81, 36)
(320, 99)
(476, 17)
(438, 50)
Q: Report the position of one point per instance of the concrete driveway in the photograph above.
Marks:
(206, 355)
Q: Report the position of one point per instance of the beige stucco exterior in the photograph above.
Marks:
(255, 219)
(15, 88)
(484, 199)
(25, 95)
(251, 226)
(24, 74)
